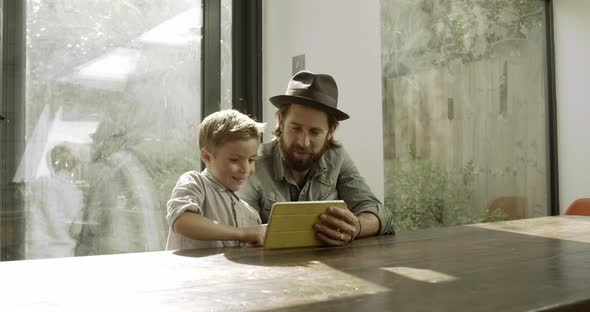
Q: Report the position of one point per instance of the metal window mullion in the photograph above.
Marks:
(12, 130)
(211, 57)
(551, 122)
(247, 57)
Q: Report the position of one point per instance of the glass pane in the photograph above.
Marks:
(464, 110)
(113, 106)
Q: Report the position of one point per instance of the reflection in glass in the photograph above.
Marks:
(226, 54)
(464, 110)
(113, 106)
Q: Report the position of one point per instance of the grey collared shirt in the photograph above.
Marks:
(334, 176)
(201, 193)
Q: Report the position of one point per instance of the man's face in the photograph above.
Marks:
(305, 134)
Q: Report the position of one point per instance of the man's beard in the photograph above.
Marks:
(299, 164)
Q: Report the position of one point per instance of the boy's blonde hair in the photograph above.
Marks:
(225, 126)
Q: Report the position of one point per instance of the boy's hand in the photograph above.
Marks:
(253, 235)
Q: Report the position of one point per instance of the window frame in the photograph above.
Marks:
(551, 123)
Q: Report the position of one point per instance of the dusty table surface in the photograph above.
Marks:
(532, 264)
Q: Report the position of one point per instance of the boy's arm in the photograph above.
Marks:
(198, 227)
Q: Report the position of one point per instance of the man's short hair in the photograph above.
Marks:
(225, 126)
(332, 125)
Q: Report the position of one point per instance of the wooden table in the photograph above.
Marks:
(533, 264)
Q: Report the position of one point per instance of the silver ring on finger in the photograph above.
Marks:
(341, 236)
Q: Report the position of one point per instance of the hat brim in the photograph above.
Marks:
(280, 100)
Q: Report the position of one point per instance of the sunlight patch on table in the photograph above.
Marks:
(564, 227)
(276, 287)
(422, 275)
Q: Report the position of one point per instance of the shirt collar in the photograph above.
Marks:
(215, 183)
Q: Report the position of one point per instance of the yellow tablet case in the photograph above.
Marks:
(291, 223)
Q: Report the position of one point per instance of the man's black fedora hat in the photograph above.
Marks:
(316, 90)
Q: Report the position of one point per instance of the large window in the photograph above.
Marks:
(103, 102)
(112, 106)
(464, 110)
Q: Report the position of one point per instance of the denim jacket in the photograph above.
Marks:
(334, 176)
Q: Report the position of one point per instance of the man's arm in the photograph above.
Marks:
(353, 189)
(367, 216)
(369, 225)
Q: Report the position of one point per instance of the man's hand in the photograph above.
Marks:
(337, 226)
(253, 235)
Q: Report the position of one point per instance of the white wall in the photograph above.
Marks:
(572, 53)
(341, 38)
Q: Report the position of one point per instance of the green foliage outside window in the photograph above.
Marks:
(422, 194)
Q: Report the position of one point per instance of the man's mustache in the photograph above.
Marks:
(301, 149)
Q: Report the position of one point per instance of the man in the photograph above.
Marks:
(305, 163)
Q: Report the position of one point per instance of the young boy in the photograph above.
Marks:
(204, 211)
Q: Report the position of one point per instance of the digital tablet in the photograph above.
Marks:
(291, 223)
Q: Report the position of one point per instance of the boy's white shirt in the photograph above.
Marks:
(202, 193)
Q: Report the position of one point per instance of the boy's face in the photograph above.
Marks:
(305, 134)
(233, 162)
